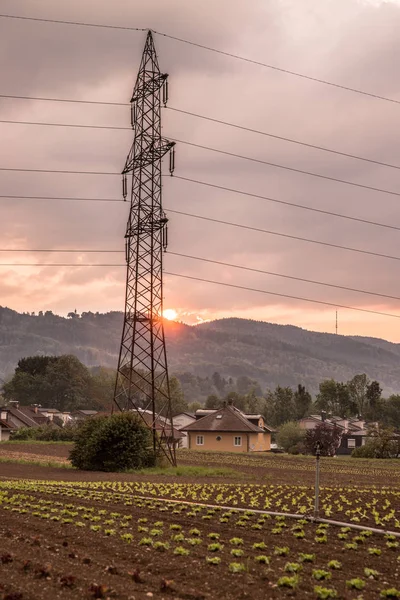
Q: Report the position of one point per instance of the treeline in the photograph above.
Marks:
(60, 382)
(64, 383)
(358, 397)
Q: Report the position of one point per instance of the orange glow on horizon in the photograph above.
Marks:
(170, 314)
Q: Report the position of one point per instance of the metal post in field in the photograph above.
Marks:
(317, 459)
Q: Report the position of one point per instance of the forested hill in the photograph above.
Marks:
(271, 354)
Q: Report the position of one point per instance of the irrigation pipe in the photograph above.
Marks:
(257, 511)
(278, 514)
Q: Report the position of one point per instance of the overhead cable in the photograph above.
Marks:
(208, 48)
(230, 285)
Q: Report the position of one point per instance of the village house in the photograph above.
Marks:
(180, 421)
(229, 430)
(55, 415)
(82, 414)
(353, 430)
(5, 428)
(14, 417)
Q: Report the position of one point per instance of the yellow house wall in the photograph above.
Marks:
(252, 442)
(260, 442)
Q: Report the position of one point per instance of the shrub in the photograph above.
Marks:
(290, 437)
(113, 443)
(380, 444)
(48, 433)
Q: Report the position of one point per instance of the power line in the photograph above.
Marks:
(68, 125)
(275, 200)
(205, 260)
(231, 224)
(284, 139)
(218, 187)
(60, 22)
(208, 148)
(59, 172)
(14, 197)
(210, 49)
(67, 100)
(231, 285)
(239, 287)
(302, 279)
(62, 265)
(281, 70)
(61, 251)
(286, 168)
(192, 114)
(286, 235)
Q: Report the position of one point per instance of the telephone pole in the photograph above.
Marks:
(142, 383)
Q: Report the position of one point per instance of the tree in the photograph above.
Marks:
(381, 443)
(326, 435)
(374, 401)
(62, 382)
(335, 398)
(69, 382)
(102, 385)
(290, 437)
(326, 398)
(113, 443)
(358, 391)
(35, 365)
(178, 402)
(279, 407)
(391, 411)
(219, 382)
(213, 402)
(302, 402)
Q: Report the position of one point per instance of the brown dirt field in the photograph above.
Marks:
(257, 468)
(60, 555)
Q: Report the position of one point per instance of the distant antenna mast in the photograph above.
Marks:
(336, 323)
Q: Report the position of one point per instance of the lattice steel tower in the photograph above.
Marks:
(142, 380)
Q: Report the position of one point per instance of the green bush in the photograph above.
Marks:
(48, 433)
(290, 437)
(375, 449)
(115, 443)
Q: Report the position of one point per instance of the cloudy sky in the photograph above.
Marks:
(354, 43)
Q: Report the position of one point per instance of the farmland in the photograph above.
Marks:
(67, 534)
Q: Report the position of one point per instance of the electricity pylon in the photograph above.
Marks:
(142, 381)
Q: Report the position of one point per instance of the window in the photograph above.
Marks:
(218, 438)
(200, 440)
(218, 417)
(351, 443)
(238, 440)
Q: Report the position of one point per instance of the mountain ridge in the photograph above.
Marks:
(270, 353)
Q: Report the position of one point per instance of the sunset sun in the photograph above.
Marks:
(170, 314)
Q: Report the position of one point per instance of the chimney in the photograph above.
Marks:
(224, 404)
(323, 415)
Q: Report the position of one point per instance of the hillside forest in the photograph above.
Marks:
(65, 383)
(269, 354)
